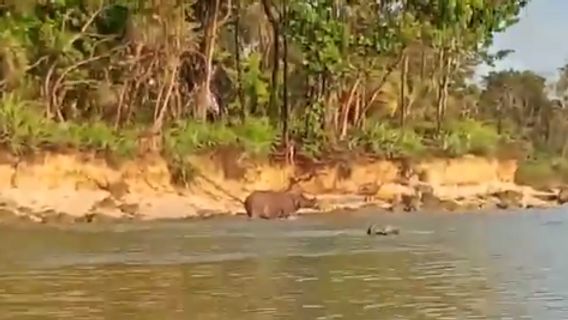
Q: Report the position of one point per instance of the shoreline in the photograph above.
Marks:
(68, 188)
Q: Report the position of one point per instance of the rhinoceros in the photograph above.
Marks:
(268, 204)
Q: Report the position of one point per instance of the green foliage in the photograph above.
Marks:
(469, 136)
(514, 99)
(23, 128)
(254, 81)
(20, 125)
(381, 138)
(87, 82)
(95, 135)
(320, 35)
(255, 135)
(308, 129)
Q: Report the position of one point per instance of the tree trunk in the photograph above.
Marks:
(390, 68)
(403, 82)
(500, 107)
(322, 99)
(442, 90)
(204, 93)
(545, 122)
(357, 108)
(162, 106)
(345, 107)
(240, 93)
(446, 83)
(213, 24)
(274, 22)
(285, 108)
(423, 64)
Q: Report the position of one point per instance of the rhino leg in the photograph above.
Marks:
(283, 213)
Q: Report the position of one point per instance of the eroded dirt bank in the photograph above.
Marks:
(79, 187)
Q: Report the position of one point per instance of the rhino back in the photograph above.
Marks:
(259, 203)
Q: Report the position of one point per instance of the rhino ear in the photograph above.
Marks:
(297, 201)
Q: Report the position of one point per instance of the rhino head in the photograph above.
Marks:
(301, 201)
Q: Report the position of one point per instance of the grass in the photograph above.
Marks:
(457, 139)
(256, 136)
(543, 171)
(23, 128)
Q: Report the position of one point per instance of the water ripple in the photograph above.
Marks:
(307, 269)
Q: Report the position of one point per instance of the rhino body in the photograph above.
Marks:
(267, 204)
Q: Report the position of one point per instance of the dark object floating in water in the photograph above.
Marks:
(547, 223)
(385, 231)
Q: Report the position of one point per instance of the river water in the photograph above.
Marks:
(472, 266)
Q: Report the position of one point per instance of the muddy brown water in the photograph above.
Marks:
(446, 266)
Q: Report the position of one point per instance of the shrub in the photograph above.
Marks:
(470, 136)
(95, 135)
(184, 137)
(381, 138)
(23, 127)
(255, 135)
(21, 124)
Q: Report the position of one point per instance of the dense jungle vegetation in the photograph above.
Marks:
(390, 77)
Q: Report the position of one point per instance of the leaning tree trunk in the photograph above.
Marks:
(423, 64)
(403, 82)
(204, 94)
(442, 89)
(345, 108)
(285, 111)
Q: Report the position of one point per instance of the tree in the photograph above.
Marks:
(561, 86)
(325, 73)
(521, 97)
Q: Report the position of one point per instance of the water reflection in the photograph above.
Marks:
(489, 267)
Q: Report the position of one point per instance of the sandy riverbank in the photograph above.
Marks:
(73, 187)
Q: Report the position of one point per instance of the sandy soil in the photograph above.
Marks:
(78, 185)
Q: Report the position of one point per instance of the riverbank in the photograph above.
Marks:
(53, 187)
